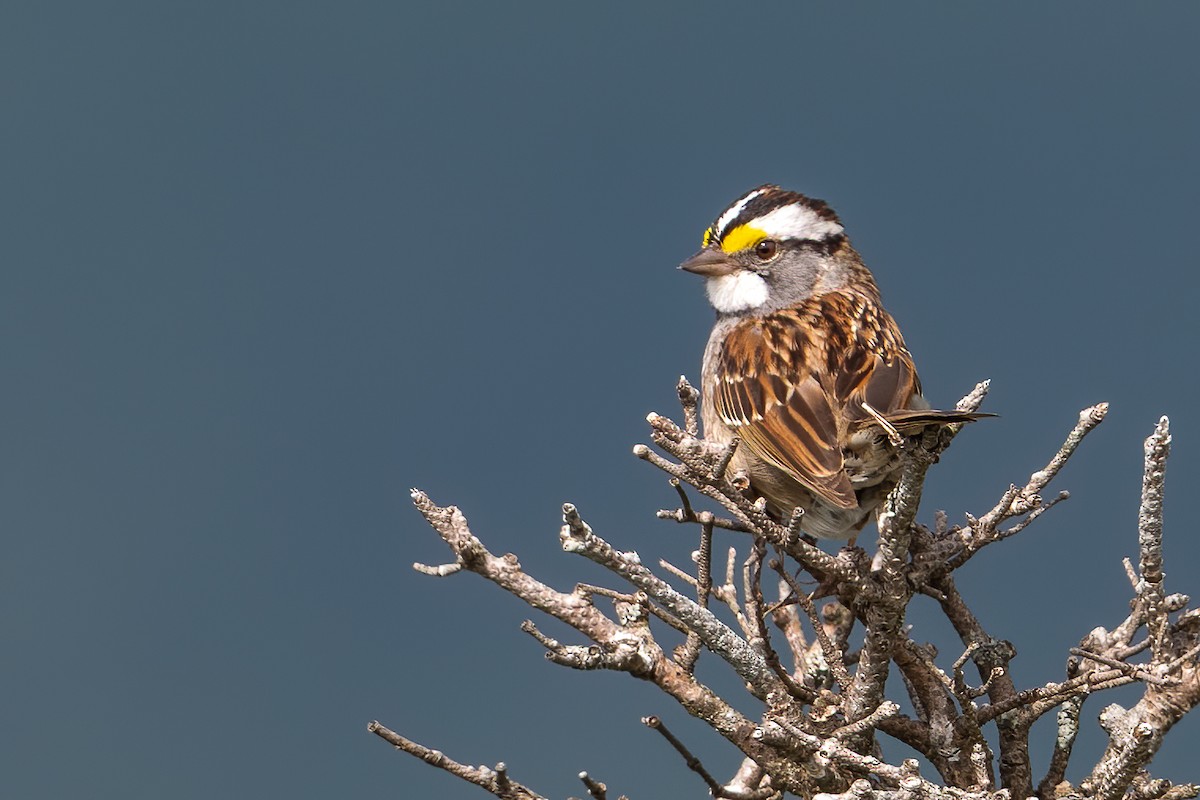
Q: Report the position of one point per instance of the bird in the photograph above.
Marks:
(804, 366)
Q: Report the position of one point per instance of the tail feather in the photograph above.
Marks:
(913, 420)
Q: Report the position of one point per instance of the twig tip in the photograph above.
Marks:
(1094, 414)
(1161, 438)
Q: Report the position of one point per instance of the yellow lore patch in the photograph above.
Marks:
(741, 238)
(707, 238)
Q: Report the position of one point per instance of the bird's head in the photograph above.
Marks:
(769, 249)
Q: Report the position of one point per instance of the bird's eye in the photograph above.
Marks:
(766, 249)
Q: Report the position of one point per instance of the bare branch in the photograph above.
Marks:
(577, 537)
(573, 609)
(1132, 670)
(1025, 500)
(693, 763)
(691, 650)
(639, 599)
(584, 657)
(816, 735)
(830, 653)
(689, 398)
(889, 589)
(1089, 418)
(495, 781)
(1150, 527)
(1064, 742)
(834, 752)
(1135, 735)
(703, 466)
(438, 571)
(973, 400)
(886, 710)
(596, 790)
(1112, 777)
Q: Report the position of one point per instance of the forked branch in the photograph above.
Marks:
(821, 705)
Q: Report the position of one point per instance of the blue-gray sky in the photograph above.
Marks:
(267, 265)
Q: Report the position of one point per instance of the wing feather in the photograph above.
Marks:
(780, 410)
(793, 384)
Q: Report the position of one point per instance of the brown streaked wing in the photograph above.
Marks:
(775, 403)
(887, 386)
(869, 360)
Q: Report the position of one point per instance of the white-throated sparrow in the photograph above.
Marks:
(804, 364)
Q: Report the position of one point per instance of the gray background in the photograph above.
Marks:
(267, 265)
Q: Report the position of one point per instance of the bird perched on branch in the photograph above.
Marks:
(804, 365)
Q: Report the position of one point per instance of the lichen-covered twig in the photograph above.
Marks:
(577, 537)
(887, 589)
(691, 649)
(1136, 734)
(1150, 531)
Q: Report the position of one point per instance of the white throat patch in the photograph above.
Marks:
(740, 291)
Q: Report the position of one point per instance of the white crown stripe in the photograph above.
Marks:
(731, 213)
(796, 222)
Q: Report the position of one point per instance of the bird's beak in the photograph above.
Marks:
(711, 263)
